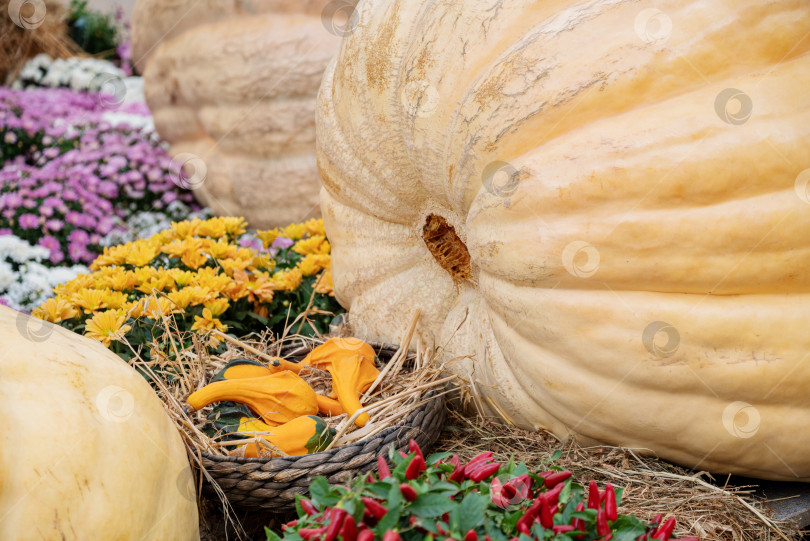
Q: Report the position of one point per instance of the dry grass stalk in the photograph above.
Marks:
(18, 45)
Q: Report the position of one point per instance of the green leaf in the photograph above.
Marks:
(470, 513)
(627, 528)
(556, 456)
(271, 535)
(434, 458)
(389, 521)
(322, 494)
(431, 505)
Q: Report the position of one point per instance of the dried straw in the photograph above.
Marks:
(18, 45)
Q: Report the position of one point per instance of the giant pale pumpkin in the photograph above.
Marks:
(602, 202)
(232, 88)
(86, 449)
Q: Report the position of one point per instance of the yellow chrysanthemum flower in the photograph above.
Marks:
(81, 282)
(214, 227)
(262, 262)
(154, 307)
(185, 229)
(313, 245)
(217, 306)
(315, 227)
(314, 263)
(55, 309)
(141, 253)
(324, 284)
(230, 266)
(208, 323)
(293, 231)
(267, 237)
(222, 249)
(107, 326)
(114, 299)
(288, 280)
(234, 225)
(182, 277)
(89, 300)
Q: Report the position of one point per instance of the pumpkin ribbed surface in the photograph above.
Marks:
(599, 201)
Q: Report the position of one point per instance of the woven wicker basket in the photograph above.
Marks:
(272, 483)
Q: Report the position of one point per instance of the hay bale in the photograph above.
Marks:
(30, 28)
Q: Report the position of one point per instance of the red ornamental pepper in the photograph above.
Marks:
(408, 492)
(416, 467)
(402, 454)
(458, 474)
(546, 515)
(642, 537)
(610, 503)
(602, 527)
(608, 537)
(391, 535)
(553, 496)
(562, 528)
(375, 508)
(336, 516)
(307, 506)
(471, 536)
(366, 535)
(556, 478)
(414, 448)
(455, 461)
(382, 468)
(665, 531)
(479, 460)
(657, 519)
(593, 496)
(522, 485)
(370, 478)
(310, 533)
(487, 538)
(291, 524)
(349, 530)
(484, 471)
(497, 493)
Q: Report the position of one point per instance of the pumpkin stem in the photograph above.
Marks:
(447, 248)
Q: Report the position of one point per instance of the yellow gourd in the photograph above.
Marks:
(277, 398)
(306, 434)
(600, 209)
(350, 361)
(247, 368)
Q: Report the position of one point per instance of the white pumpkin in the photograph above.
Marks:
(86, 450)
(603, 203)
